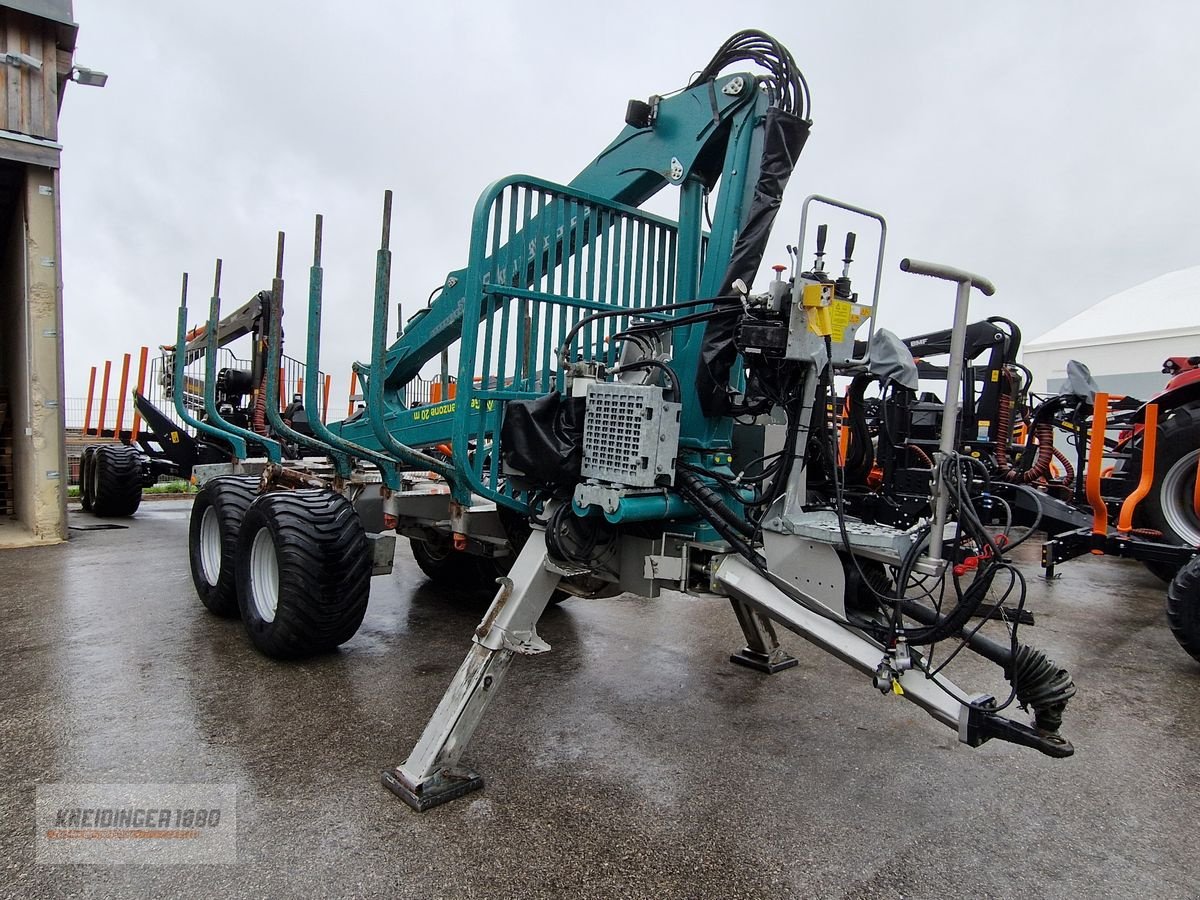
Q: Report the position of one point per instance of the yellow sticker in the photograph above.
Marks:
(847, 315)
(896, 689)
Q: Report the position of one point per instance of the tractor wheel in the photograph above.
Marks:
(303, 572)
(217, 515)
(1170, 505)
(1183, 608)
(85, 478)
(116, 480)
(447, 567)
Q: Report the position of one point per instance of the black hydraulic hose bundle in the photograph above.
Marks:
(728, 530)
(1041, 685)
(564, 350)
(789, 90)
(711, 500)
(1038, 682)
(785, 132)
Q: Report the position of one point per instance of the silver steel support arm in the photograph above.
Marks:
(432, 775)
(975, 718)
(742, 581)
(954, 370)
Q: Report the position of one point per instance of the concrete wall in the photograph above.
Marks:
(30, 325)
(1130, 365)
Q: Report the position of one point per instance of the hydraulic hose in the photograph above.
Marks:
(1043, 433)
(1004, 424)
(693, 485)
(1068, 469)
(1040, 684)
(259, 422)
(725, 529)
(860, 454)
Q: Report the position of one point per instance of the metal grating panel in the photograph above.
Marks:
(544, 259)
(630, 434)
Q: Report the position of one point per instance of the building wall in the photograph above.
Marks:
(13, 358)
(1129, 365)
(29, 96)
(31, 313)
(39, 38)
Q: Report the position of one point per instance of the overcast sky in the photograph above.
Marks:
(1049, 146)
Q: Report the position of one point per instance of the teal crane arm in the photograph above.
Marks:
(685, 142)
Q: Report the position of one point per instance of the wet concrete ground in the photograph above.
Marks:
(633, 761)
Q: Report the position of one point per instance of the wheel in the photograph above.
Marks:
(116, 480)
(451, 568)
(1170, 505)
(303, 572)
(85, 478)
(1183, 608)
(461, 571)
(217, 515)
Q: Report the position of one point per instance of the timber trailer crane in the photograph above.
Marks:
(607, 358)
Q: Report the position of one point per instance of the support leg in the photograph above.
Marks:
(432, 774)
(762, 650)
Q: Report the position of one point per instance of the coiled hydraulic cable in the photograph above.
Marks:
(1040, 685)
(1068, 469)
(259, 421)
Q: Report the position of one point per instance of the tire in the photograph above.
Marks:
(217, 515)
(1169, 505)
(451, 568)
(459, 571)
(1183, 608)
(303, 572)
(85, 478)
(116, 479)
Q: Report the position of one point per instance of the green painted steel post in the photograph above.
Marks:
(341, 462)
(270, 447)
(236, 443)
(376, 406)
(387, 467)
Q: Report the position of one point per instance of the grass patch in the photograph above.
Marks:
(178, 486)
(171, 487)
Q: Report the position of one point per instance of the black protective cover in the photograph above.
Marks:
(783, 139)
(542, 440)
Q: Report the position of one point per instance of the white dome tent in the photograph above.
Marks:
(1124, 338)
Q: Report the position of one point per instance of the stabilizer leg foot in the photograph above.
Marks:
(762, 651)
(770, 663)
(442, 787)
